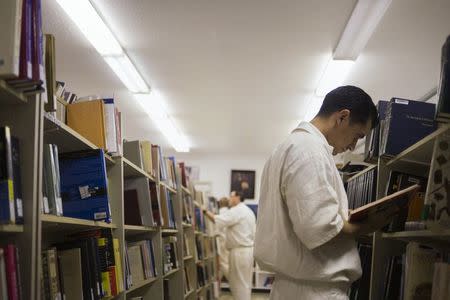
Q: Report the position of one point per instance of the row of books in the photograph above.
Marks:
(420, 273)
(186, 245)
(170, 254)
(10, 279)
(147, 204)
(87, 266)
(140, 264)
(76, 184)
(11, 208)
(188, 208)
(199, 251)
(186, 282)
(361, 189)
(22, 47)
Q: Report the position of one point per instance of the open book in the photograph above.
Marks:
(400, 199)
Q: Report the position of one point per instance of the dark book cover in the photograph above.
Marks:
(156, 204)
(15, 154)
(371, 149)
(407, 122)
(132, 213)
(7, 211)
(84, 185)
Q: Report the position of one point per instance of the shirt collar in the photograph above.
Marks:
(307, 126)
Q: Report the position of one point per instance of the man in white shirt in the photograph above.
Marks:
(240, 223)
(221, 239)
(303, 234)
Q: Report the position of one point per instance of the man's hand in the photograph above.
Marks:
(371, 224)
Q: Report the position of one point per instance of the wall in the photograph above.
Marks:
(217, 169)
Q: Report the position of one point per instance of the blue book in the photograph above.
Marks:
(84, 185)
(406, 123)
(7, 213)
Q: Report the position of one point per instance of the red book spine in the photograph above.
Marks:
(11, 272)
(113, 280)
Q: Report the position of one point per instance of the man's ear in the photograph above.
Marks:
(343, 115)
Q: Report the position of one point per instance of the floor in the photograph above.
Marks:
(255, 296)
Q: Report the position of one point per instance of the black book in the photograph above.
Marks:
(7, 214)
(18, 204)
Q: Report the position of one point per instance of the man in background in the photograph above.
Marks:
(221, 239)
(240, 224)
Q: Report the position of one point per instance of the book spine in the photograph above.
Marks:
(15, 153)
(57, 178)
(11, 272)
(7, 211)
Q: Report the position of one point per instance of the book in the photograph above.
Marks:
(3, 284)
(372, 145)
(156, 204)
(72, 274)
(443, 106)
(10, 35)
(84, 185)
(11, 271)
(400, 199)
(88, 119)
(141, 186)
(135, 261)
(50, 73)
(7, 211)
(17, 179)
(146, 150)
(118, 116)
(406, 123)
(437, 197)
(110, 126)
(37, 43)
(132, 213)
(52, 179)
(52, 271)
(132, 152)
(118, 269)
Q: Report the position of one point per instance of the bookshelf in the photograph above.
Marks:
(9, 96)
(416, 160)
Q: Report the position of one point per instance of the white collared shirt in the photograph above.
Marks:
(301, 210)
(240, 224)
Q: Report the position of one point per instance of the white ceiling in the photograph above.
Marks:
(237, 75)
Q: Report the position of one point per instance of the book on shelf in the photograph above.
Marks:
(187, 208)
(437, 198)
(140, 262)
(199, 252)
(146, 149)
(84, 185)
(406, 123)
(170, 255)
(88, 119)
(443, 106)
(372, 144)
(138, 202)
(17, 179)
(50, 72)
(360, 289)
(10, 276)
(400, 199)
(171, 171)
(166, 288)
(199, 220)
(167, 212)
(52, 179)
(413, 213)
(186, 245)
(156, 204)
(184, 176)
(11, 15)
(72, 275)
(111, 128)
(132, 151)
(7, 213)
(186, 281)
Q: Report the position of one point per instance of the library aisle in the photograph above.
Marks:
(197, 150)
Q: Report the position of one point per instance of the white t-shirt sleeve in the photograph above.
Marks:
(311, 200)
(226, 219)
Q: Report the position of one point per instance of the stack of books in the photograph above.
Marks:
(170, 256)
(140, 264)
(361, 190)
(11, 207)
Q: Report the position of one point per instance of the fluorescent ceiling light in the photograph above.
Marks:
(153, 106)
(92, 26)
(126, 71)
(364, 19)
(333, 76)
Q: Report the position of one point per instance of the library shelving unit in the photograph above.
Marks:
(23, 115)
(34, 127)
(415, 160)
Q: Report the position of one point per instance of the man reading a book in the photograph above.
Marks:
(303, 234)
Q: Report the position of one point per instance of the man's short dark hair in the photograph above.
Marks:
(239, 194)
(354, 99)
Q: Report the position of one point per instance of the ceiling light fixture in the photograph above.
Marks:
(333, 76)
(84, 15)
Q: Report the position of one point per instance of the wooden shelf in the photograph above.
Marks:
(198, 232)
(171, 189)
(11, 228)
(362, 172)
(9, 96)
(187, 225)
(56, 223)
(67, 139)
(171, 272)
(188, 257)
(186, 190)
(168, 231)
(130, 170)
(133, 229)
(426, 237)
(419, 155)
(141, 284)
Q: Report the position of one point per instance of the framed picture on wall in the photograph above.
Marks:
(243, 181)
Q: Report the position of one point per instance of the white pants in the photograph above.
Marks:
(241, 273)
(224, 264)
(286, 289)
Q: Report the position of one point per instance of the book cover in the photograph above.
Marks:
(141, 186)
(84, 185)
(132, 152)
(10, 35)
(156, 204)
(135, 260)
(146, 148)
(70, 261)
(407, 122)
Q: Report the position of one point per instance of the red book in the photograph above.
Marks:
(113, 280)
(11, 272)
